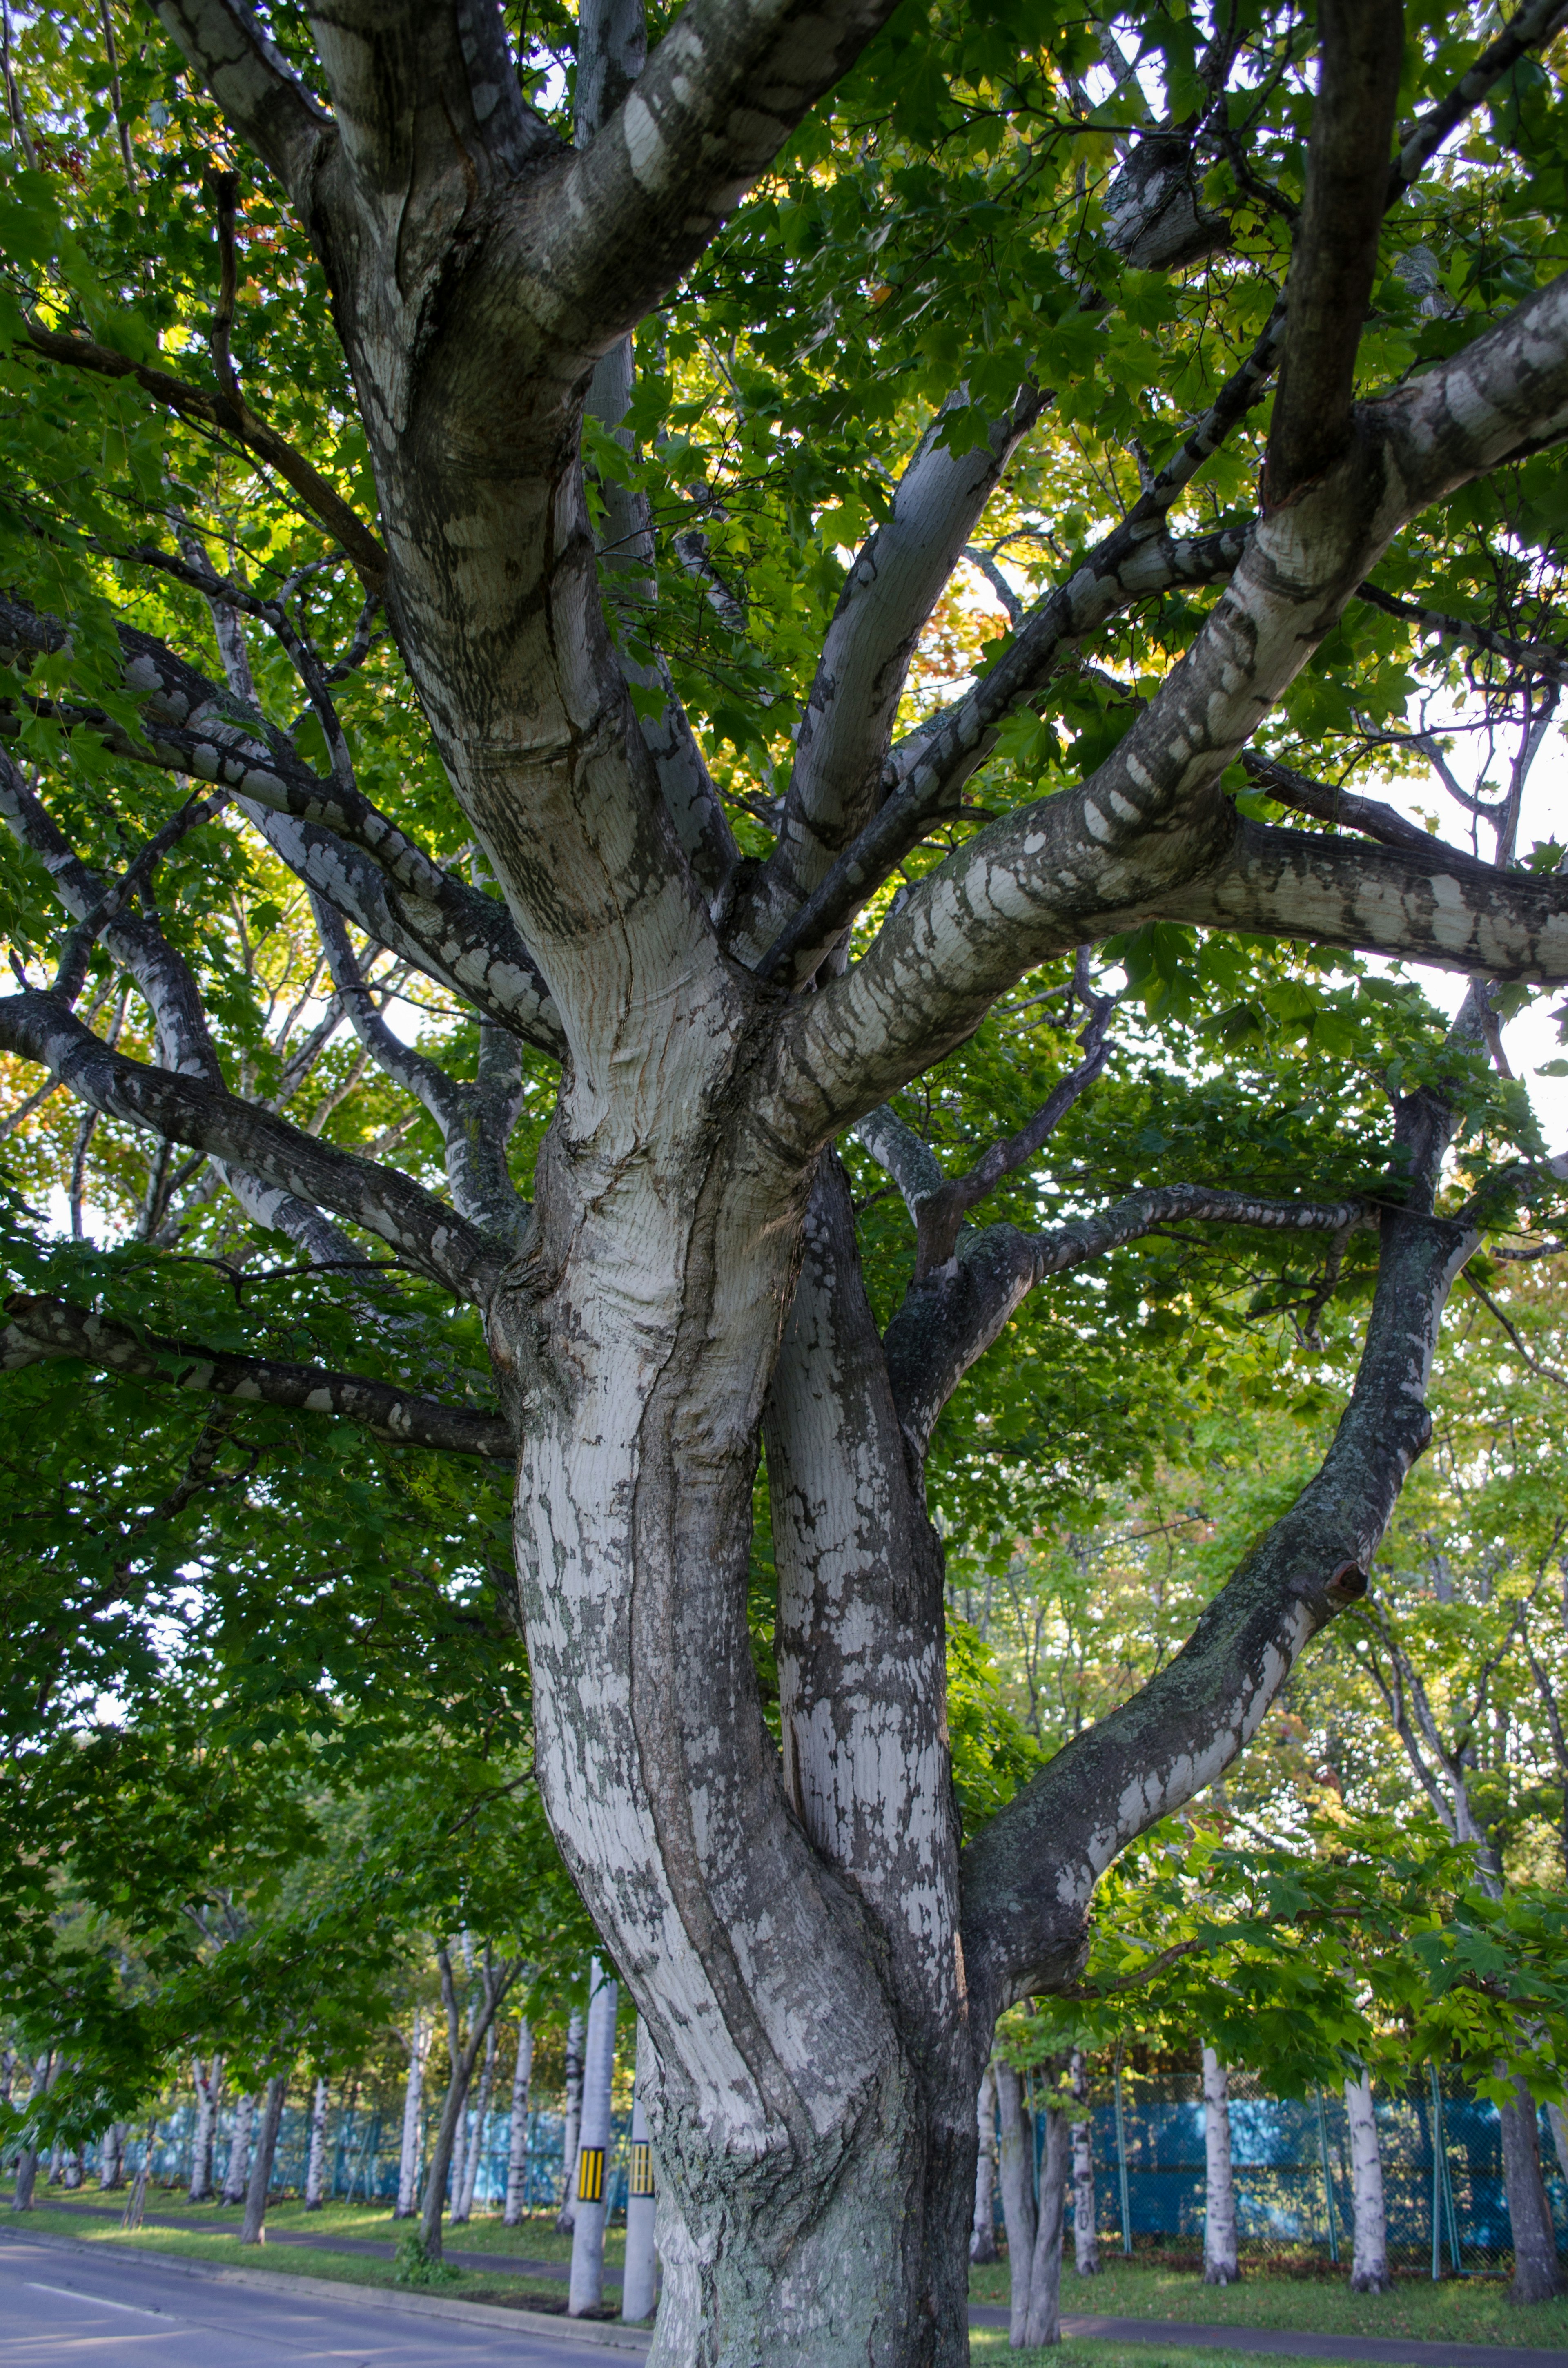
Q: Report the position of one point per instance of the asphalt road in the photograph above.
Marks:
(57, 2311)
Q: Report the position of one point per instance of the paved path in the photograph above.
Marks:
(204, 2225)
(120, 2310)
(1388, 2348)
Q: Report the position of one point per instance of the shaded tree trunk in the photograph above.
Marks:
(252, 2229)
(316, 2166)
(638, 2291)
(1086, 2232)
(464, 2207)
(237, 2175)
(1537, 2274)
(493, 1983)
(27, 2180)
(1042, 2323)
(208, 2093)
(412, 2099)
(1219, 2265)
(587, 2285)
(1370, 2258)
(572, 2123)
(1016, 2171)
(518, 2128)
(982, 2232)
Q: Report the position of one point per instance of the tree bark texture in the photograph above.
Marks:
(208, 2092)
(518, 2128)
(1370, 2258)
(587, 2283)
(1042, 2321)
(572, 2123)
(818, 1952)
(1538, 2276)
(112, 2159)
(639, 2288)
(316, 2166)
(464, 2208)
(1015, 2165)
(1219, 2265)
(1085, 2233)
(421, 2032)
(983, 2230)
(238, 2172)
(251, 2226)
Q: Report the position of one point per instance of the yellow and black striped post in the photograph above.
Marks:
(641, 2182)
(590, 2175)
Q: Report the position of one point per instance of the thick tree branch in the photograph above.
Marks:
(252, 82)
(1183, 1729)
(188, 1111)
(1335, 250)
(1347, 808)
(336, 841)
(1149, 830)
(40, 1329)
(951, 1318)
(229, 414)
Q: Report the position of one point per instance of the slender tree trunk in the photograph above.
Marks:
(481, 2114)
(1370, 2259)
(1219, 2266)
(493, 1989)
(1537, 2277)
(518, 2128)
(238, 2172)
(587, 2287)
(564, 2218)
(315, 2167)
(1016, 2167)
(412, 2099)
(252, 2231)
(1086, 2232)
(638, 2289)
(982, 2233)
(136, 2202)
(1043, 2322)
(209, 2090)
(111, 2156)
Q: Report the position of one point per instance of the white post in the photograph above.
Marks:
(638, 2291)
(592, 2147)
(316, 2166)
(517, 2135)
(1369, 2260)
(1220, 2200)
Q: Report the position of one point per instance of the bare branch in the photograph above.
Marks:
(1347, 808)
(1531, 657)
(41, 1328)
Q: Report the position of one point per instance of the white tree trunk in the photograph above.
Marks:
(518, 2128)
(315, 2167)
(419, 2041)
(1370, 2258)
(1220, 2267)
(587, 2285)
(112, 2156)
(571, 2125)
(1017, 2166)
(208, 2094)
(983, 2231)
(237, 2176)
(464, 2210)
(1042, 2323)
(1085, 2233)
(638, 2291)
(73, 2167)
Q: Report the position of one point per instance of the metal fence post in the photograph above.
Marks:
(1122, 2171)
(1327, 2181)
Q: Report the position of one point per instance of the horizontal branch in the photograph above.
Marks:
(231, 416)
(39, 1328)
(1543, 658)
(205, 1118)
(1328, 802)
(951, 1318)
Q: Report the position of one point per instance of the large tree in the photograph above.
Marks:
(1013, 274)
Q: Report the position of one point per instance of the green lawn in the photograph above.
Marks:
(1469, 2310)
(219, 2241)
(990, 2343)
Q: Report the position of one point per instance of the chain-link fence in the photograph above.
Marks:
(364, 2149)
(1442, 2155)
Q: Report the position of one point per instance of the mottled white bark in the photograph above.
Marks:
(1370, 2258)
(587, 2284)
(463, 2208)
(638, 2291)
(422, 2031)
(1219, 2266)
(208, 2093)
(1016, 2166)
(572, 2121)
(238, 2172)
(983, 2231)
(1086, 2235)
(111, 2158)
(315, 2164)
(517, 2127)
(1042, 2322)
